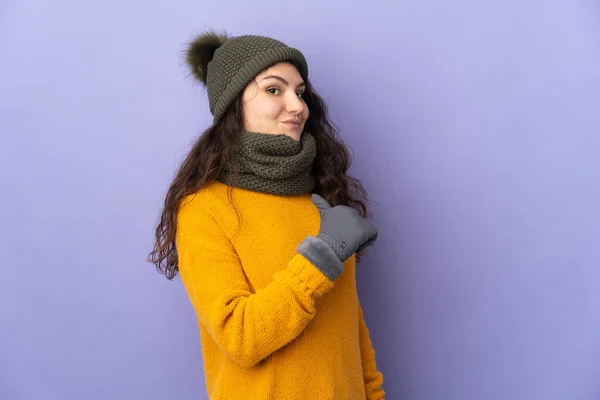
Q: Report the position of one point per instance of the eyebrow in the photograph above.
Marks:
(281, 80)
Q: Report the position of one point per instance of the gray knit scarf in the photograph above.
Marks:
(274, 164)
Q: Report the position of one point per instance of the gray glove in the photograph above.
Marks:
(343, 232)
(343, 229)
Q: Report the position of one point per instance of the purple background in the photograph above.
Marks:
(476, 128)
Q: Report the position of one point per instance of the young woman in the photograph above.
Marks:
(262, 222)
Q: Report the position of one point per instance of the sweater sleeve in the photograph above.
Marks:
(372, 377)
(246, 326)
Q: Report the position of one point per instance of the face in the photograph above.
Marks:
(274, 104)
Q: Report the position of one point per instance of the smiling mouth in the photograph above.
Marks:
(293, 124)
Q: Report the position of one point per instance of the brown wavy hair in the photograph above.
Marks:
(214, 150)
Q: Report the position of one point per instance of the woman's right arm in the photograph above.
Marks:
(247, 326)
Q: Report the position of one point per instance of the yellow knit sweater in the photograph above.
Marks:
(272, 326)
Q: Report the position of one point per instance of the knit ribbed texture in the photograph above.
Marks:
(238, 61)
(272, 326)
(275, 164)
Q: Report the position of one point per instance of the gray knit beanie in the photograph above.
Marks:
(225, 65)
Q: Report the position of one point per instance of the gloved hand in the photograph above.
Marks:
(343, 229)
(342, 233)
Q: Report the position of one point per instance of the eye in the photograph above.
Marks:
(273, 90)
(300, 95)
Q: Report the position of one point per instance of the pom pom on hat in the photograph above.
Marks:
(202, 50)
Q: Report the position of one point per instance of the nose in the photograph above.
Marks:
(294, 105)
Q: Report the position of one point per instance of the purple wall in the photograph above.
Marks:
(476, 128)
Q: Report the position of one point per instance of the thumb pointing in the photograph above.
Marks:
(320, 202)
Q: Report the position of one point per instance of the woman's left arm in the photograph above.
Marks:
(372, 377)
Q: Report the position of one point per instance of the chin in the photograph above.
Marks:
(294, 135)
